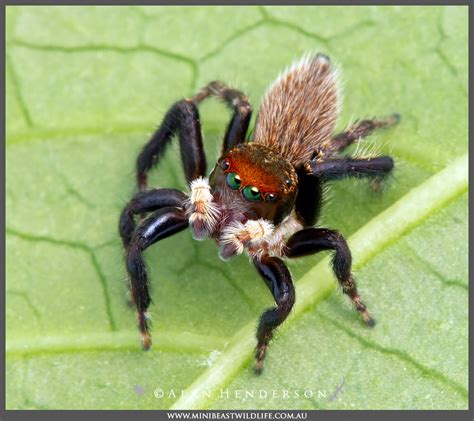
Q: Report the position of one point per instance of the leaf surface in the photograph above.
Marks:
(85, 88)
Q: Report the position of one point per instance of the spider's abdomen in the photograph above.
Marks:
(299, 112)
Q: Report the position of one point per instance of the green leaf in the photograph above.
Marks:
(85, 88)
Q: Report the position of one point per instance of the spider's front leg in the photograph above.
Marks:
(278, 279)
(159, 225)
(181, 119)
(238, 103)
(313, 240)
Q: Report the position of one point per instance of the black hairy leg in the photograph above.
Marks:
(278, 279)
(237, 102)
(144, 202)
(337, 168)
(182, 119)
(313, 240)
(357, 131)
(159, 225)
(308, 198)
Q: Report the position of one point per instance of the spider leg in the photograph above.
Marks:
(313, 173)
(183, 119)
(308, 198)
(147, 201)
(313, 240)
(159, 225)
(278, 279)
(357, 131)
(337, 168)
(238, 103)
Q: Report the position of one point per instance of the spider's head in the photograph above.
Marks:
(254, 177)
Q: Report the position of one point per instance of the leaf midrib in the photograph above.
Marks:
(379, 233)
(113, 341)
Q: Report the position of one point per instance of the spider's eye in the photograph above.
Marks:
(288, 182)
(225, 165)
(271, 197)
(233, 181)
(251, 193)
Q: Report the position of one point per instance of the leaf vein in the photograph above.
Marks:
(401, 355)
(231, 38)
(90, 48)
(77, 246)
(165, 341)
(28, 301)
(447, 282)
(18, 91)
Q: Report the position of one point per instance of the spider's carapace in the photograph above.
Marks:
(264, 194)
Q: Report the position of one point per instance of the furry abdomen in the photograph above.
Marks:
(299, 111)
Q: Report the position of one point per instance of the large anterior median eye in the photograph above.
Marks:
(251, 193)
(233, 180)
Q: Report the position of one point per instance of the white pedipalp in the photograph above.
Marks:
(274, 243)
(246, 236)
(203, 213)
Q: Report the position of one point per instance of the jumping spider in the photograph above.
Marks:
(263, 195)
